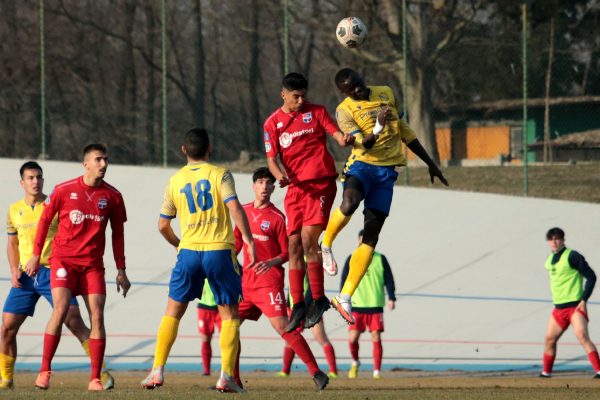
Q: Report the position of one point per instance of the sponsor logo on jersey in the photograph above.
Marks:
(267, 136)
(260, 238)
(279, 125)
(102, 203)
(264, 225)
(61, 274)
(73, 196)
(285, 140)
(307, 117)
(77, 217)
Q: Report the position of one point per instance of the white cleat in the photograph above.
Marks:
(344, 308)
(154, 379)
(329, 264)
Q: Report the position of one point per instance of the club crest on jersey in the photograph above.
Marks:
(47, 201)
(384, 97)
(264, 225)
(102, 203)
(267, 147)
(307, 117)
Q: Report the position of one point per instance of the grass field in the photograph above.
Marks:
(578, 182)
(263, 386)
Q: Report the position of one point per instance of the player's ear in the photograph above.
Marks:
(183, 150)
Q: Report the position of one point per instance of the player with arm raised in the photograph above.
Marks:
(370, 114)
(84, 206)
(296, 132)
(204, 197)
(262, 283)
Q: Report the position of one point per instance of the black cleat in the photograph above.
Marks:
(545, 375)
(315, 311)
(298, 314)
(321, 380)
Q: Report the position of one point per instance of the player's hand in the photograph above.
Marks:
(382, 115)
(123, 282)
(348, 139)
(33, 266)
(262, 267)
(14, 279)
(391, 305)
(434, 171)
(251, 252)
(284, 181)
(582, 306)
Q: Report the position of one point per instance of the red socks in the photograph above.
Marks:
(296, 285)
(548, 363)
(377, 355)
(97, 347)
(354, 350)
(50, 346)
(206, 356)
(288, 358)
(330, 357)
(300, 347)
(316, 279)
(593, 356)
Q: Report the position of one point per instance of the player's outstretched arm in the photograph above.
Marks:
(241, 221)
(343, 139)
(434, 171)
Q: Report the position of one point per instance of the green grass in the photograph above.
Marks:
(263, 386)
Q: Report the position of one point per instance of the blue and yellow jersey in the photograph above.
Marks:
(22, 221)
(198, 194)
(358, 117)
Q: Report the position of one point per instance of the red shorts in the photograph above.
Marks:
(562, 316)
(309, 203)
(268, 301)
(374, 322)
(207, 319)
(80, 279)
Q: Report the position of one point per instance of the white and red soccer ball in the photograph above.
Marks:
(351, 32)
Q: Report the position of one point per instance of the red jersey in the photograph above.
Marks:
(299, 137)
(270, 239)
(83, 213)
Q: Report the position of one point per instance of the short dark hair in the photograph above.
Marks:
(262, 173)
(555, 232)
(30, 165)
(196, 143)
(343, 75)
(94, 147)
(294, 81)
(361, 232)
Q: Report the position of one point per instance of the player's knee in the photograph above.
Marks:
(373, 223)
(8, 332)
(295, 245)
(350, 203)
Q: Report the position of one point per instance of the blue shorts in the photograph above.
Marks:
(23, 300)
(378, 184)
(221, 269)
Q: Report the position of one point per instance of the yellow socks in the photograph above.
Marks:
(86, 347)
(337, 222)
(229, 342)
(167, 333)
(7, 367)
(359, 263)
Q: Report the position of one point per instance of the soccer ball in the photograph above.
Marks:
(351, 32)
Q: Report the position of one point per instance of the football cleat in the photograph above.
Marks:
(7, 384)
(344, 307)
(282, 374)
(43, 380)
(329, 264)
(154, 379)
(353, 373)
(332, 375)
(376, 375)
(544, 374)
(315, 311)
(321, 380)
(108, 381)
(228, 386)
(298, 314)
(95, 385)
(596, 375)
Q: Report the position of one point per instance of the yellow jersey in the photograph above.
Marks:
(22, 221)
(358, 117)
(198, 194)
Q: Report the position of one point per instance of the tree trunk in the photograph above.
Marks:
(254, 140)
(151, 140)
(547, 136)
(199, 65)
